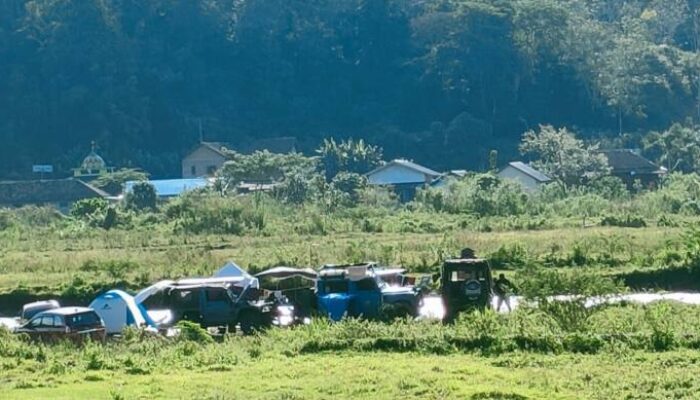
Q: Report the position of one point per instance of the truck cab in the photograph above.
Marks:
(357, 291)
(466, 284)
(214, 302)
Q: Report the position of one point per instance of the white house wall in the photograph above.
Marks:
(529, 183)
(396, 175)
(202, 159)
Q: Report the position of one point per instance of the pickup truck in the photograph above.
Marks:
(359, 291)
(214, 302)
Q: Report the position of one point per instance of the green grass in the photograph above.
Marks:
(47, 261)
(389, 376)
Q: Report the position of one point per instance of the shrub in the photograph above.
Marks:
(192, 332)
(141, 197)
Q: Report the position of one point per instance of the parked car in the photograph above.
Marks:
(228, 302)
(358, 291)
(466, 284)
(67, 323)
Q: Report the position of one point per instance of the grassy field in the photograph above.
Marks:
(390, 376)
(622, 352)
(46, 262)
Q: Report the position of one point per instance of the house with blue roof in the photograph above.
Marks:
(168, 188)
(530, 178)
(403, 176)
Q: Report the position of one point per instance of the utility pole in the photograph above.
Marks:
(201, 134)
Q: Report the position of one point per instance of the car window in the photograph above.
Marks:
(336, 286)
(460, 276)
(83, 319)
(216, 295)
(367, 284)
(58, 320)
(35, 323)
(47, 320)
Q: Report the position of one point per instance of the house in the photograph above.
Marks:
(204, 160)
(630, 166)
(403, 176)
(443, 179)
(530, 178)
(168, 188)
(60, 193)
(208, 157)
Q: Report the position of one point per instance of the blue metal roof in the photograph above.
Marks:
(172, 187)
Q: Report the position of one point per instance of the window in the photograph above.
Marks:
(47, 320)
(216, 295)
(83, 319)
(460, 276)
(367, 284)
(35, 323)
(193, 170)
(336, 286)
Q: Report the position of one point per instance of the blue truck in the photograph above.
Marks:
(359, 291)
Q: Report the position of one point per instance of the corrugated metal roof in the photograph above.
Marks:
(407, 164)
(47, 191)
(626, 161)
(172, 187)
(528, 170)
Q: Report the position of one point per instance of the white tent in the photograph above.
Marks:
(232, 270)
(119, 310)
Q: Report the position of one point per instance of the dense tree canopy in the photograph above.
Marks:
(443, 82)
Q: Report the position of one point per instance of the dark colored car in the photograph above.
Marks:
(358, 291)
(215, 303)
(466, 284)
(67, 323)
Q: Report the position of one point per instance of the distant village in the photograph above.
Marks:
(200, 165)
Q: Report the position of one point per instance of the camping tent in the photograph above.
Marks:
(232, 270)
(119, 310)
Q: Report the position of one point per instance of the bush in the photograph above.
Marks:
(192, 332)
(625, 222)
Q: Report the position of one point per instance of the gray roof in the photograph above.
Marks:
(48, 191)
(279, 145)
(531, 172)
(407, 164)
(625, 161)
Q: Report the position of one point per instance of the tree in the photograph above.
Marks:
(560, 155)
(262, 167)
(351, 184)
(141, 197)
(677, 148)
(113, 182)
(348, 156)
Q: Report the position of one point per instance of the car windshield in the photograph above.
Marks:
(83, 319)
(335, 286)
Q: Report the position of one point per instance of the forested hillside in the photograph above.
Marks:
(439, 81)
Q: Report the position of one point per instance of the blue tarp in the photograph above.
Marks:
(334, 305)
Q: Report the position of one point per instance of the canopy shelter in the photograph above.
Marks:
(233, 270)
(288, 272)
(118, 310)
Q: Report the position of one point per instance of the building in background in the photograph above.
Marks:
(403, 176)
(59, 193)
(92, 166)
(530, 178)
(169, 188)
(631, 167)
(205, 159)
